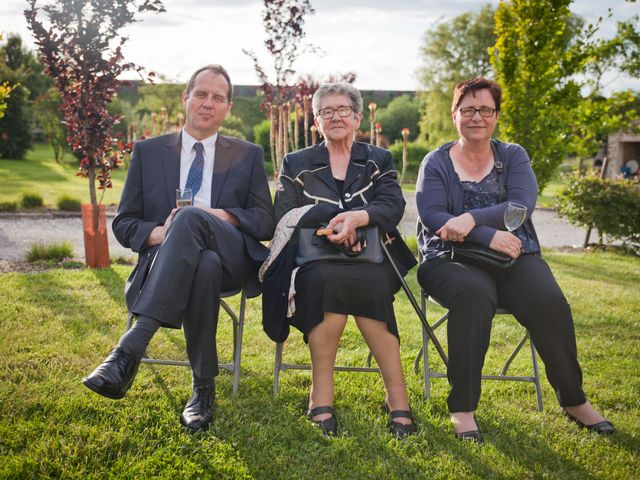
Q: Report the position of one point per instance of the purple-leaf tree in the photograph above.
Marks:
(80, 45)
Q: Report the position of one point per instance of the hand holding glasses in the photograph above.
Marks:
(514, 215)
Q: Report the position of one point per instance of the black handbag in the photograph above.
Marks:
(480, 256)
(312, 247)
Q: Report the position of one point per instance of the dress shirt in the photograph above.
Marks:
(188, 155)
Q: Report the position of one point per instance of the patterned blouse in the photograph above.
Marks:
(485, 193)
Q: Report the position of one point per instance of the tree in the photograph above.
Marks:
(20, 68)
(452, 52)
(402, 112)
(5, 91)
(47, 114)
(284, 25)
(81, 48)
(544, 57)
(16, 124)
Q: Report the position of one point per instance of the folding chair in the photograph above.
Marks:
(423, 355)
(280, 366)
(429, 334)
(238, 326)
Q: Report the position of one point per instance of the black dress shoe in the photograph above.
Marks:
(329, 425)
(113, 377)
(197, 414)
(601, 428)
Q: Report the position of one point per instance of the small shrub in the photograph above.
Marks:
(55, 252)
(416, 152)
(67, 203)
(609, 205)
(31, 200)
(8, 206)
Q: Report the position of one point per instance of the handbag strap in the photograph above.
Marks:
(499, 166)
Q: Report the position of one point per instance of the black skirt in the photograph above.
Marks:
(358, 289)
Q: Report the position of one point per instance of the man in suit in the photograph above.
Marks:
(187, 256)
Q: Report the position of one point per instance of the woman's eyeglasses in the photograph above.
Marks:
(328, 112)
(483, 111)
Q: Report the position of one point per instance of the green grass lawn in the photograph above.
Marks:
(39, 173)
(59, 324)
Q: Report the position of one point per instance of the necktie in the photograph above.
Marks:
(194, 179)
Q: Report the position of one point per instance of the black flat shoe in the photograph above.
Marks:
(474, 436)
(601, 428)
(329, 425)
(470, 436)
(197, 414)
(113, 377)
(400, 430)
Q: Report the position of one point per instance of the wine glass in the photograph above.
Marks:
(514, 215)
(184, 197)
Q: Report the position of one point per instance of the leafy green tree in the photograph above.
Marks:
(452, 52)
(540, 53)
(49, 117)
(402, 112)
(233, 126)
(16, 124)
(20, 68)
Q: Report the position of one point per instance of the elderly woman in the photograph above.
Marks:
(461, 197)
(345, 185)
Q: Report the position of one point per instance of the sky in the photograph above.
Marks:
(380, 44)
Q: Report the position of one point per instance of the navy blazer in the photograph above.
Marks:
(239, 186)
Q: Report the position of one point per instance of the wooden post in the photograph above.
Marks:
(372, 119)
(273, 132)
(314, 132)
(306, 106)
(296, 127)
(405, 139)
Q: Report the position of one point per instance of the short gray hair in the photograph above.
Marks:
(337, 88)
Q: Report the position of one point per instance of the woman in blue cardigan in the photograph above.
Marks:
(461, 197)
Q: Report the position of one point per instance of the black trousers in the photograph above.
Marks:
(200, 257)
(530, 292)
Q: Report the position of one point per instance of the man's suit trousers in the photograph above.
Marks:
(200, 257)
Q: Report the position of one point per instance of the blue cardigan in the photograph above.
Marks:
(439, 196)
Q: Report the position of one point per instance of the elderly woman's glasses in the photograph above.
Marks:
(470, 111)
(328, 112)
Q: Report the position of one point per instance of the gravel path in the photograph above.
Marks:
(18, 231)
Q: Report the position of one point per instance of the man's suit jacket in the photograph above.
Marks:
(239, 186)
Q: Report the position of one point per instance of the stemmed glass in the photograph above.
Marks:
(514, 215)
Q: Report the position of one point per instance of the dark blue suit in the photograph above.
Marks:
(201, 254)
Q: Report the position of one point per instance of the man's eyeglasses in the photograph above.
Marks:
(483, 111)
(328, 112)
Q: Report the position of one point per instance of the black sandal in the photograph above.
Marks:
(400, 430)
(329, 425)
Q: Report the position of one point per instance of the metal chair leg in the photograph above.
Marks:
(237, 345)
(536, 374)
(276, 369)
(513, 355)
